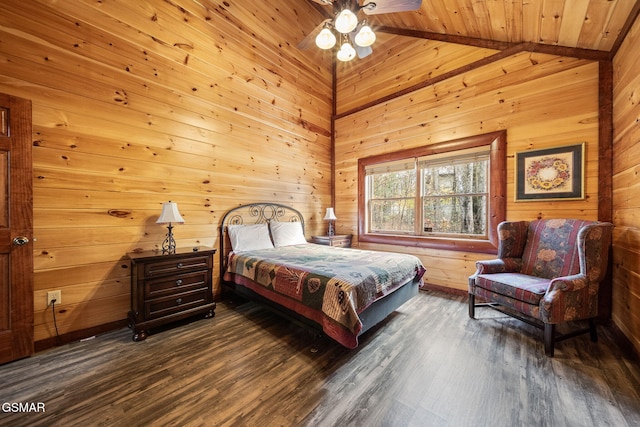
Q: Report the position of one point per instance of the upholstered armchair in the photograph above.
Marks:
(547, 272)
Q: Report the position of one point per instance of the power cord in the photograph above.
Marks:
(53, 310)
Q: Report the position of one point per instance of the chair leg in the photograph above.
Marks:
(472, 306)
(549, 338)
(593, 332)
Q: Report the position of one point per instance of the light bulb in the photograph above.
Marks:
(325, 39)
(365, 36)
(346, 21)
(346, 52)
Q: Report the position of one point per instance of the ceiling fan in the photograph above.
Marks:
(355, 37)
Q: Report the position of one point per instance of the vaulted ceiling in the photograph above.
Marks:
(582, 24)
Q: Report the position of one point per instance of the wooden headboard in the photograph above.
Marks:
(254, 213)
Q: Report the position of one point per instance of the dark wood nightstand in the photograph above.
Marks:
(169, 287)
(339, 240)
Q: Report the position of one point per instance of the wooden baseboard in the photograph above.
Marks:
(77, 335)
(446, 290)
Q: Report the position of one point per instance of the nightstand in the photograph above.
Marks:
(339, 240)
(169, 287)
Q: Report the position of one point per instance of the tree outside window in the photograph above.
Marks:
(393, 201)
(455, 196)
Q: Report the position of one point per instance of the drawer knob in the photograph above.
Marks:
(179, 282)
(179, 265)
(179, 301)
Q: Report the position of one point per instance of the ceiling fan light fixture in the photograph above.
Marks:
(325, 39)
(346, 21)
(366, 36)
(346, 52)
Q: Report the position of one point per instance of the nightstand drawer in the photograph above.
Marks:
(343, 243)
(338, 240)
(177, 303)
(153, 269)
(165, 286)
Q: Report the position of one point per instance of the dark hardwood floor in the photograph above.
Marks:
(428, 364)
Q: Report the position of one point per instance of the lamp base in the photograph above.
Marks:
(169, 244)
(331, 231)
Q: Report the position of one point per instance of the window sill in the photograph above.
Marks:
(463, 245)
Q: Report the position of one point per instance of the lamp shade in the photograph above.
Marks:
(346, 52)
(346, 21)
(170, 214)
(325, 39)
(365, 36)
(330, 215)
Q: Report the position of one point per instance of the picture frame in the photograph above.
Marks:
(550, 174)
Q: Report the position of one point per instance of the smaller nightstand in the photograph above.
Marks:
(339, 240)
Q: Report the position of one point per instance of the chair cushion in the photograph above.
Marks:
(522, 287)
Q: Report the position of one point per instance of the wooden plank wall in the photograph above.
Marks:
(139, 102)
(626, 188)
(408, 61)
(541, 100)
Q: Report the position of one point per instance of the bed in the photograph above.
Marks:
(342, 292)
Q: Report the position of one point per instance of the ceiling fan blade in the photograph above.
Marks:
(323, 2)
(310, 39)
(363, 52)
(376, 7)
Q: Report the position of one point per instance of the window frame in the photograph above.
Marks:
(497, 142)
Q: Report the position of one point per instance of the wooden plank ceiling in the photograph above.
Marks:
(582, 24)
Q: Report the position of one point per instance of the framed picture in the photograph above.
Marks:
(550, 174)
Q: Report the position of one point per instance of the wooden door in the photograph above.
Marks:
(16, 229)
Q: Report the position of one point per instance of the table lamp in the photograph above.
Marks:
(169, 215)
(330, 216)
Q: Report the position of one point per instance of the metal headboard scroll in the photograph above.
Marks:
(254, 213)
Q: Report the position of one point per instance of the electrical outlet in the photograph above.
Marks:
(54, 295)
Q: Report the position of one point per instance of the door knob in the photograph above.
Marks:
(21, 240)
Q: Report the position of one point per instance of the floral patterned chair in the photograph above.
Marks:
(547, 272)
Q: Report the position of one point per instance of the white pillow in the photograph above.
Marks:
(287, 233)
(249, 237)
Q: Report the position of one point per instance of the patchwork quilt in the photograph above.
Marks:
(326, 284)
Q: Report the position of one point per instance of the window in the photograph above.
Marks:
(447, 195)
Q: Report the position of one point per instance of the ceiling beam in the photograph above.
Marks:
(635, 12)
(594, 55)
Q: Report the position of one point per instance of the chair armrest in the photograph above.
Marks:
(572, 283)
(504, 265)
(569, 298)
